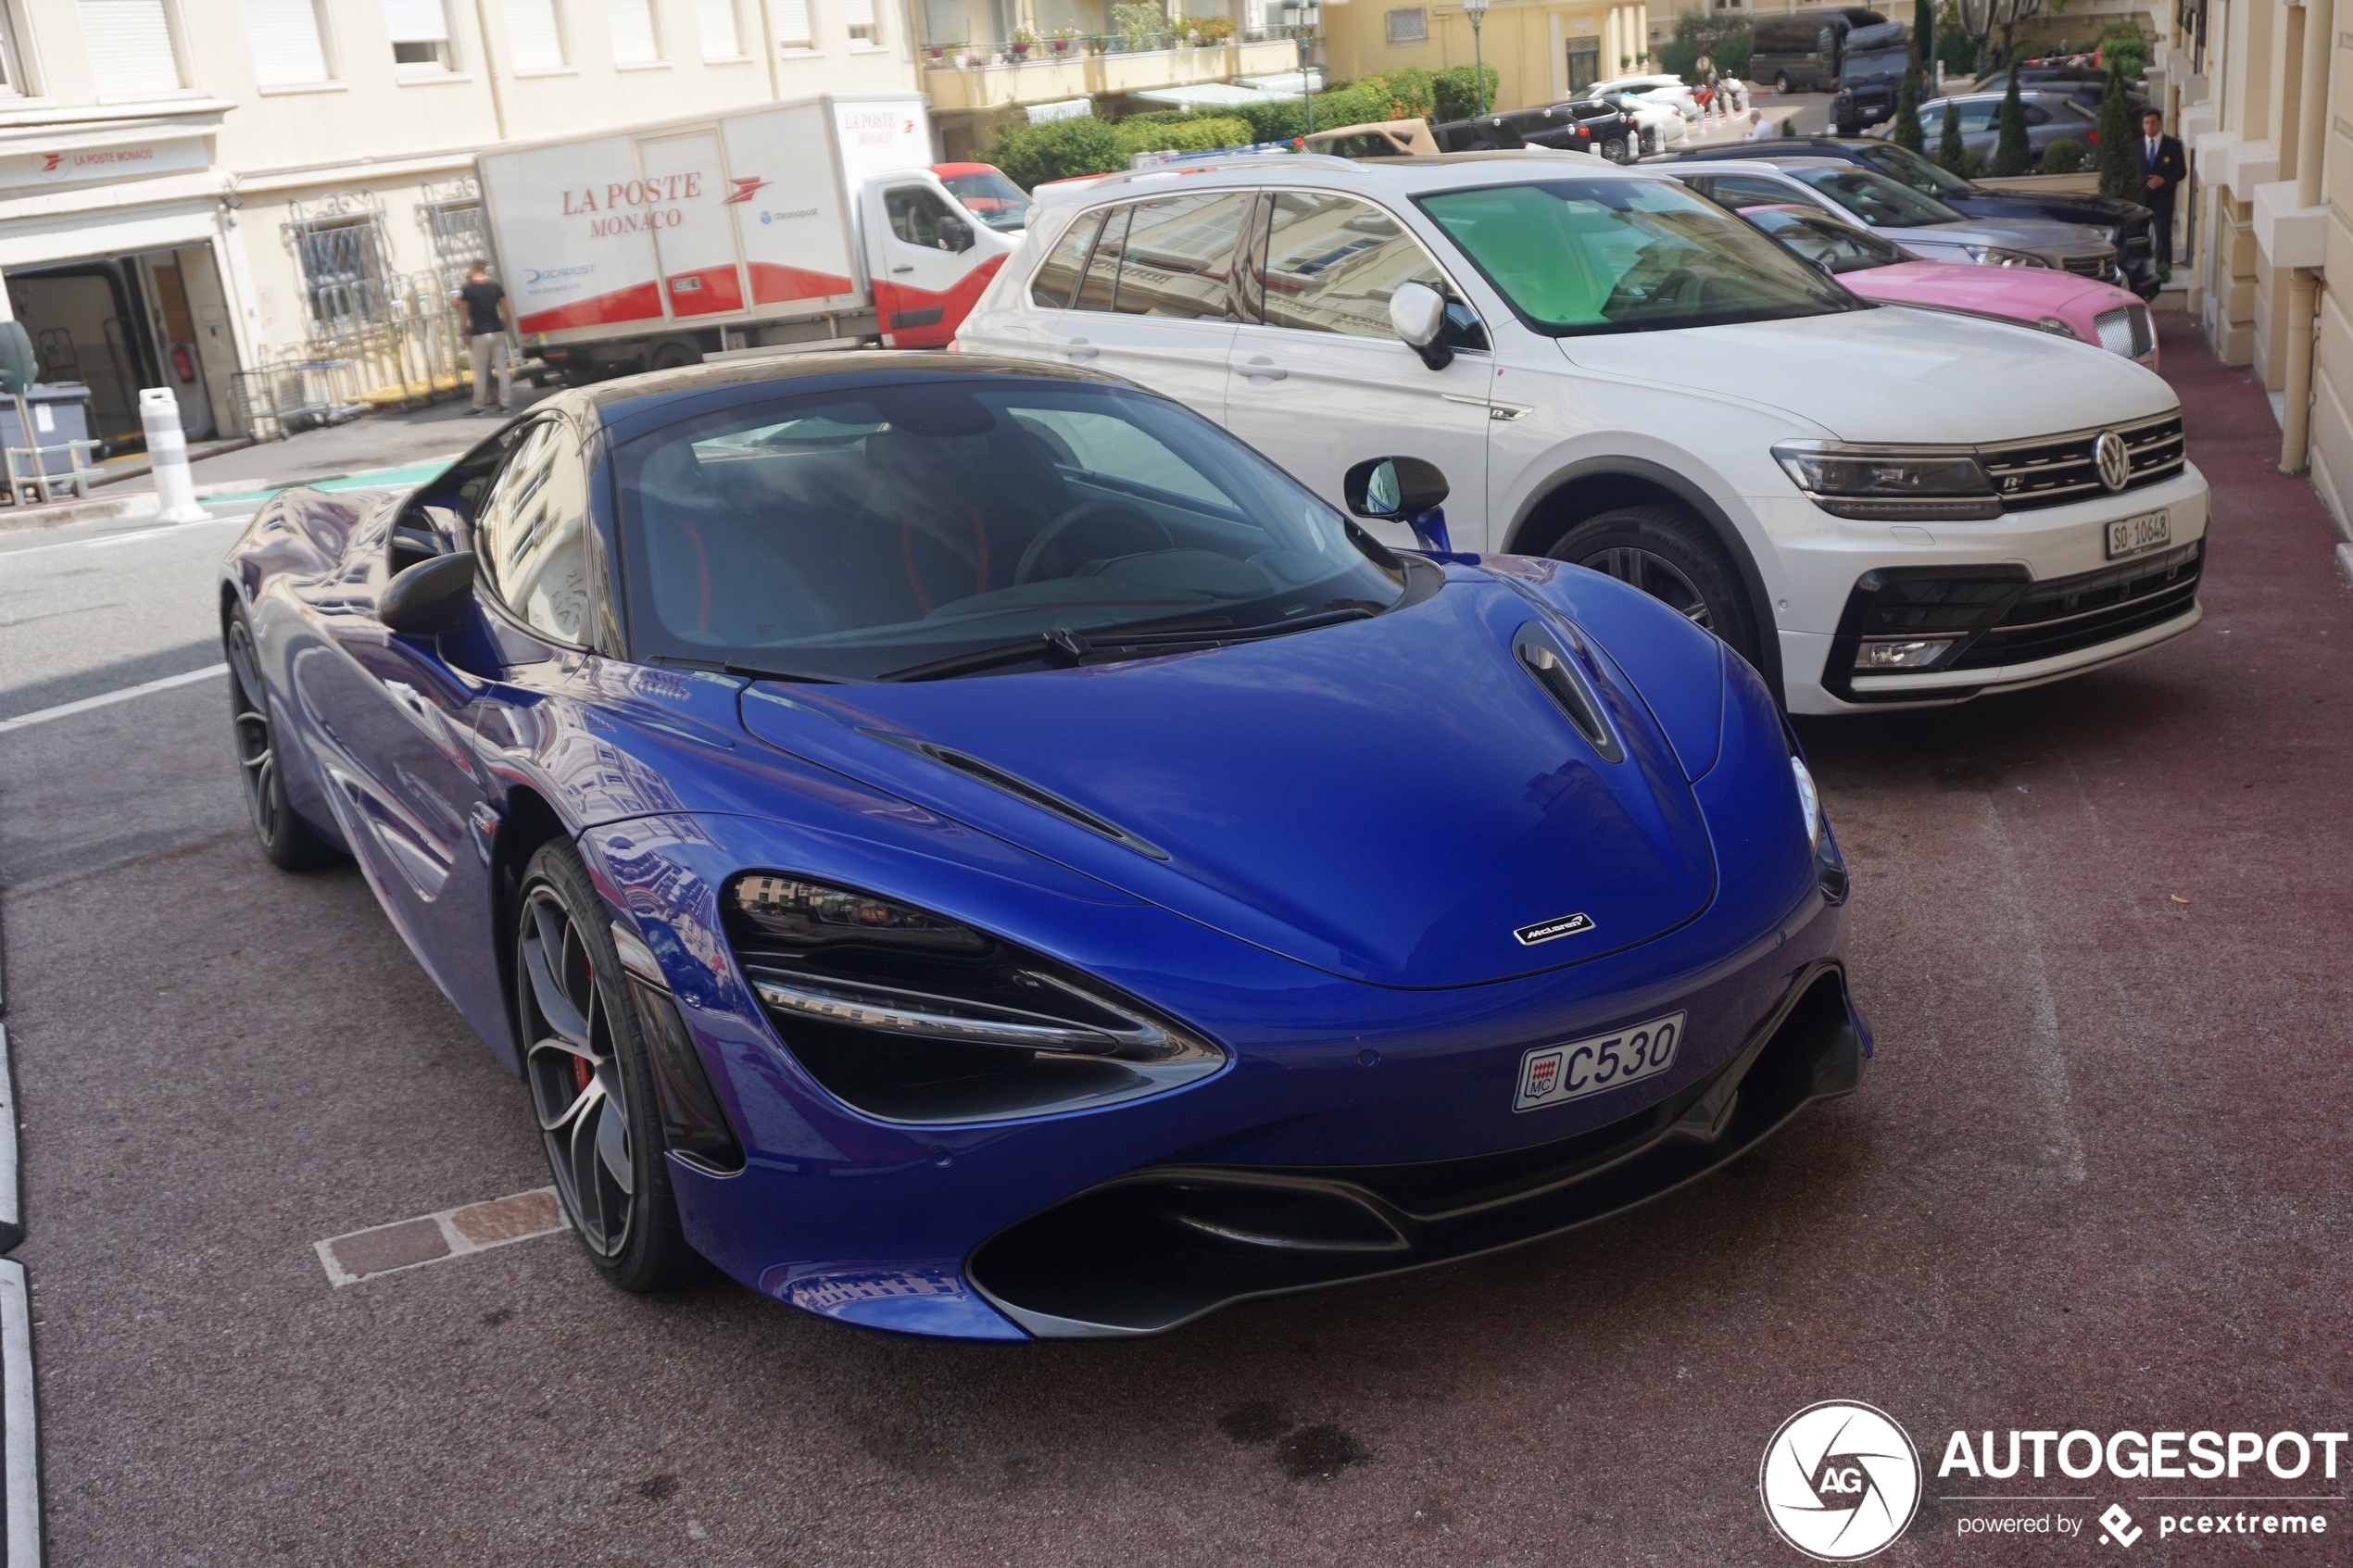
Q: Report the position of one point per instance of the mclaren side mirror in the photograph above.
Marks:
(1417, 313)
(430, 597)
(955, 234)
(1405, 490)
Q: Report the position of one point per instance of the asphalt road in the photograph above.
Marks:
(2097, 1179)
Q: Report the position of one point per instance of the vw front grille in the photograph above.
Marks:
(2060, 469)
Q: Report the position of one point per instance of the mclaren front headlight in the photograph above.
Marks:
(909, 1016)
(1891, 483)
(1830, 866)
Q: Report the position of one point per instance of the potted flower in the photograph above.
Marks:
(936, 51)
(1212, 31)
(1061, 40)
(1023, 38)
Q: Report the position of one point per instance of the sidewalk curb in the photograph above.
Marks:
(98, 508)
(20, 1433)
(11, 1190)
(2344, 563)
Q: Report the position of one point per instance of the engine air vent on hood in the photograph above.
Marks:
(1021, 789)
(1540, 654)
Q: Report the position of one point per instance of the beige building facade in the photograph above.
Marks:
(193, 187)
(1542, 53)
(2264, 102)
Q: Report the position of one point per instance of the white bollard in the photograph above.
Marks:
(168, 457)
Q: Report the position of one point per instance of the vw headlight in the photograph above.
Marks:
(1995, 255)
(1891, 483)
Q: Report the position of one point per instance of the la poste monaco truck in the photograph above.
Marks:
(806, 225)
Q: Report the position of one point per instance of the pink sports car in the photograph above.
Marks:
(2059, 303)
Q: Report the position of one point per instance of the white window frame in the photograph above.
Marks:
(559, 26)
(445, 62)
(329, 74)
(660, 57)
(15, 73)
(176, 32)
(807, 41)
(864, 34)
(704, 10)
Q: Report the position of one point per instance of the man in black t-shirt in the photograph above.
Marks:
(483, 314)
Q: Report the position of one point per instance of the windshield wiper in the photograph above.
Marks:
(1070, 649)
(747, 672)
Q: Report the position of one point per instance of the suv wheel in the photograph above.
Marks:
(1616, 151)
(1673, 557)
(1780, 85)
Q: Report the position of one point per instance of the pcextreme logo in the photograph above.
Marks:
(1840, 1481)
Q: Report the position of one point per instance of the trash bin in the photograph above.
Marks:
(58, 445)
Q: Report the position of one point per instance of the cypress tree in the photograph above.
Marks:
(1951, 153)
(2011, 154)
(2118, 177)
(1908, 134)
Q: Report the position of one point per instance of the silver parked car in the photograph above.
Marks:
(1912, 219)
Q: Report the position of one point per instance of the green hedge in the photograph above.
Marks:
(2065, 156)
(1031, 155)
(1725, 42)
(1190, 134)
(1456, 91)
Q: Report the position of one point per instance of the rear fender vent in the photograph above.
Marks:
(1021, 789)
(1548, 664)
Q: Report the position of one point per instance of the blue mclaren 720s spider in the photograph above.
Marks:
(971, 848)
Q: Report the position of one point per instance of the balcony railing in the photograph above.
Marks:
(989, 75)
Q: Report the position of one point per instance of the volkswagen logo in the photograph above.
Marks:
(2115, 460)
(1841, 1481)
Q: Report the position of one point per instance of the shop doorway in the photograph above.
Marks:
(118, 324)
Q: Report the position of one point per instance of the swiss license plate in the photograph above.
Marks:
(1557, 1075)
(2131, 536)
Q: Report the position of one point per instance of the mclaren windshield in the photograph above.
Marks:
(947, 528)
(1578, 256)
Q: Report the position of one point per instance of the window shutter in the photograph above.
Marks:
(716, 20)
(129, 45)
(417, 21)
(792, 24)
(858, 13)
(632, 22)
(285, 41)
(533, 37)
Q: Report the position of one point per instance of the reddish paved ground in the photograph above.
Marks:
(2097, 1179)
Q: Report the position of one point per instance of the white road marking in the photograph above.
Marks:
(2045, 1063)
(130, 537)
(107, 699)
(19, 1434)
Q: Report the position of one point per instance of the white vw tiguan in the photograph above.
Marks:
(1875, 504)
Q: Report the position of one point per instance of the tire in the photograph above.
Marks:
(287, 842)
(592, 1088)
(1616, 151)
(1673, 557)
(674, 356)
(1780, 85)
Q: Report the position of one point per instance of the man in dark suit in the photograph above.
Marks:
(2162, 168)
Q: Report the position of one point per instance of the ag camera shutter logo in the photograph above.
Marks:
(1840, 1481)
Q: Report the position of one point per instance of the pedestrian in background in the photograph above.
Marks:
(483, 310)
(1758, 130)
(2163, 167)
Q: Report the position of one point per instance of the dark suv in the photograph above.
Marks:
(2125, 223)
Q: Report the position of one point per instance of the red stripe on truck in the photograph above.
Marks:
(640, 302)
(774, 284)
(706, 291)
(892, 300)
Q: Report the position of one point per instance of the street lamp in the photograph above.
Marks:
(1302, 19)
(1476, 10)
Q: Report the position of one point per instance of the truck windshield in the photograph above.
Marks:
(854, 534)
(990, 197)
(1874, 64)
(1874, 198)
(1579, 256)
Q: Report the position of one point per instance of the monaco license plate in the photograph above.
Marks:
(2132, 535)
(1557, 1075)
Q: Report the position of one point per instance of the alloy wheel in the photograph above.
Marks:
(1657, 576)
(577, 1088)
(257, 745)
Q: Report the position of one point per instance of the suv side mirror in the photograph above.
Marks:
(955, 234)
(1405, 490)
(430, 597)
(1417, 314)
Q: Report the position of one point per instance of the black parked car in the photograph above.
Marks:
(1869, 73)
(2125, 223)
(1580, 125)
(1493, 133)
